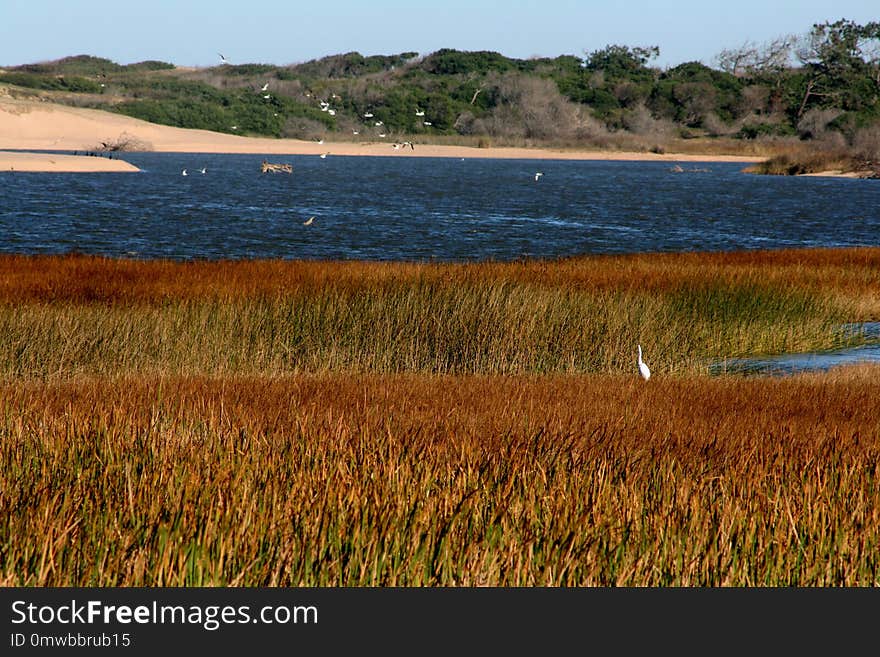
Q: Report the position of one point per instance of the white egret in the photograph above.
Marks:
(643, 369)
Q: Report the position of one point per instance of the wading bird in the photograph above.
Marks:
(643, 369)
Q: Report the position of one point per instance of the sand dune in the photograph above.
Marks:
(28, 125)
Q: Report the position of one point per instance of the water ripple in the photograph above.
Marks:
(397, 208)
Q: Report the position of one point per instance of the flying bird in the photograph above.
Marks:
(308, 222)
(381, 134)
(420, 112)
(267, 96)
(184, 173)
(427, 123)
(368, 115)
(203, 170)
(320, 141)
(538, 175)
(222, 58)
(643, 369)
(264, 87)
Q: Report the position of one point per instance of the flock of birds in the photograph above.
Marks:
(326, 107)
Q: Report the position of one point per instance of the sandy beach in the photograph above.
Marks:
(25, 161)
(40, 126)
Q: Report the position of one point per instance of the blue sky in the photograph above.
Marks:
(192, 32)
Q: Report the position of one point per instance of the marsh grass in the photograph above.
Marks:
(68, 316)
(289, 423)
(446, 480)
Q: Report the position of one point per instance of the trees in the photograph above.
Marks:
(831, 88)
(841, 63)
(691, 92)
(622, 61)
(754, 60)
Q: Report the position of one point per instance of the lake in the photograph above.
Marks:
(422, 209)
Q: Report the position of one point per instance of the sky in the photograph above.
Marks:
(193, 32)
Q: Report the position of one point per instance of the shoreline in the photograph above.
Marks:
(28, 126)
(67, 162)
(25, 161)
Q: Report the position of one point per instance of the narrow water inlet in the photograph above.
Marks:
(784, 364)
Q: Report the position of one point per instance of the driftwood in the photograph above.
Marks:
(276, 168)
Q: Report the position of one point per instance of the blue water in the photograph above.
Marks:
(401, 208)
(784, 364)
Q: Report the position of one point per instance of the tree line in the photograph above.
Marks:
(822, 86)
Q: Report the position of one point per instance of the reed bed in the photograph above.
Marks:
(410, 480)
(252, 423)
(75, 315)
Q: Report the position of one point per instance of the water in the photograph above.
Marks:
(785, 364)
(420, 209)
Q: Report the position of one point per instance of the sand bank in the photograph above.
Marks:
(33, 125)
(841, 174)
(24, 161)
